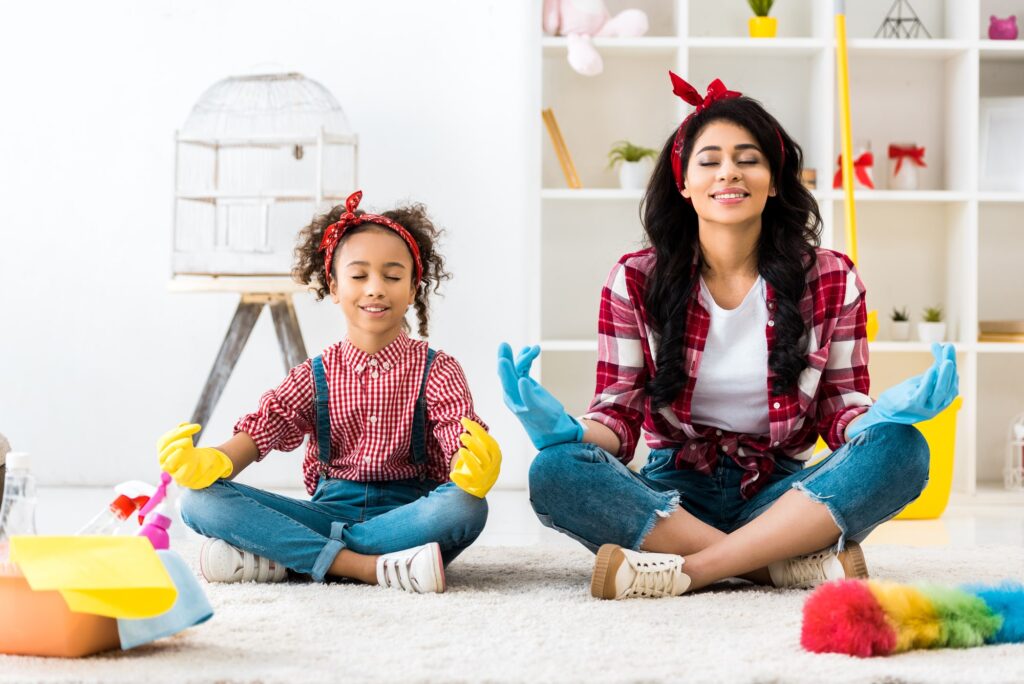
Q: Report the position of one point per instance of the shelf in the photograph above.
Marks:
(910, 347)
(591, 194)
(929, 196)
(756, 46)
(999, 347)
(1001, 197)
(910, 49)
(265, 197)
(1001, 50)
(626, 47)
(569, 345)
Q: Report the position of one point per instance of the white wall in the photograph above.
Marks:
(97, 359)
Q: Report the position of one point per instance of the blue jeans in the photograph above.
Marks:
(585, 492)
(366, 517)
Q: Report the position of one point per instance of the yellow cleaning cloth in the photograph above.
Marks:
(118, 577)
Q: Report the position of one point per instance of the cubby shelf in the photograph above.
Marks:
(952, 242)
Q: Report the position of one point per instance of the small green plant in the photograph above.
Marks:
(933, 314)
(899, 315)
(761, 8)
(625, 151)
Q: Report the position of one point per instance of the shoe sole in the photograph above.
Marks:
(439, 567)
(852, 560)
(606, 566)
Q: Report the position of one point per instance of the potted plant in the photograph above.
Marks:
(761, 25)
(932, 328)
(635, 164)
(899, 328)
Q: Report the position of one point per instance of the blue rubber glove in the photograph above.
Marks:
(916, 399)
(543, 417)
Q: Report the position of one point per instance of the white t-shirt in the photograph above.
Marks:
(732, 382)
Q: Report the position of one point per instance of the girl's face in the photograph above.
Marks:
(727, 176)
(372, 283)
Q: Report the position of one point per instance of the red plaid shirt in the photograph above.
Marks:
(831, 392)
(372, 400)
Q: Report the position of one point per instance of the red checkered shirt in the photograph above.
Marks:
(831, 391)
(371, 401)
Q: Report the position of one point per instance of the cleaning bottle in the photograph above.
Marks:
(114, 519)
(155, 528)
(18, 511)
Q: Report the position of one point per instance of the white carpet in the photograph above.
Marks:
(525, 614)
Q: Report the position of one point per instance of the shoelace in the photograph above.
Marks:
(806, 569)
(397, 571)
(651, 582)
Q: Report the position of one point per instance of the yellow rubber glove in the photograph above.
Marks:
(190, 466)
(478, 462)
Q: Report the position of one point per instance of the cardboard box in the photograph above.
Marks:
(39, 623)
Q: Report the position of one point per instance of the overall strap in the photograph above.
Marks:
(323, 413)
(418, 445)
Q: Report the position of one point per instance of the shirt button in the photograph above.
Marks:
(718, 432)
(366, 457)
(776, 405)
(692, 447)
(386, 365)
(359, 368)
(775, 444)
(373, 362)
(725, 447)
(373, 419)
(771, 323)
(374, 374)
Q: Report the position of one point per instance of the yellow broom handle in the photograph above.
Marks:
(845, 137)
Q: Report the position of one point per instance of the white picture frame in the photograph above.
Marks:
(1001, 124)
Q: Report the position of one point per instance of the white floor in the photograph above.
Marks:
(62, 510)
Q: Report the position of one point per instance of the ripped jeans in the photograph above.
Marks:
(586, 493)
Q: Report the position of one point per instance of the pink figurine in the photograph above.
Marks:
(1002, 29)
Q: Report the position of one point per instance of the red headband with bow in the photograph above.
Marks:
(716, 93)
(349, 219)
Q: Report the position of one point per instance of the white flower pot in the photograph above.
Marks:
(899, 330)
(931, 332)
(634, 175)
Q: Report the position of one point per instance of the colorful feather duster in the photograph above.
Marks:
(868, 618)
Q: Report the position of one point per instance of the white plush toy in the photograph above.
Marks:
(582, 20)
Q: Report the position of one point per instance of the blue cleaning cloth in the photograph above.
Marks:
(191, 608)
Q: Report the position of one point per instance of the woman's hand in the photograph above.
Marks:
(543, 417)
(477, 464)
(916, 399)
(190, 466)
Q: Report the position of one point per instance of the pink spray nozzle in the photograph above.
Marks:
(158, 496)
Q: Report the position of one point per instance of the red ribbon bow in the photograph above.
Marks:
(716, 92)
(860, 169)
(334, 232)
(901, 152)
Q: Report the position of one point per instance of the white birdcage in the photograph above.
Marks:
(1013, 473)
(256, 159)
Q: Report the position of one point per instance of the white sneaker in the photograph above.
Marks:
(222, 562)
(418, 570)
(813, 569)
(621, 573)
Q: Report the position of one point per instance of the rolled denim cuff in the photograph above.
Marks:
(330, 551)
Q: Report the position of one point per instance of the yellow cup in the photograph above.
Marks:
(763, 27)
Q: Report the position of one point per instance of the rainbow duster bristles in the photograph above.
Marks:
(867, 618)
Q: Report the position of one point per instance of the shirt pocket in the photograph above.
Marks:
(810, 378)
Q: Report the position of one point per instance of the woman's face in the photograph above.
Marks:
(727, 176)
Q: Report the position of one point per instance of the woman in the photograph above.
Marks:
(734, 341)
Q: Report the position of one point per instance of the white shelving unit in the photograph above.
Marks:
(951, 242)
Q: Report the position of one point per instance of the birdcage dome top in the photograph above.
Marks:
(280, 105)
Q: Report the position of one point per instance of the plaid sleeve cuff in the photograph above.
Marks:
(837, 433)
(627, 446)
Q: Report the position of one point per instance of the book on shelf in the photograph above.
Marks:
(1001, 327)
(572, 179)
(1001, 337)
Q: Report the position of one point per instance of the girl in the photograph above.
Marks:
(733, 341)
(385, 417)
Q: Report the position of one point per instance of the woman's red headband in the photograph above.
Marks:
(716, 93)
(350, 219)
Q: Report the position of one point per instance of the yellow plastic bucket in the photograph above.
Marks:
(940, 433)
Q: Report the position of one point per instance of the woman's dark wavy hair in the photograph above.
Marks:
(790, 232)
(309, 262)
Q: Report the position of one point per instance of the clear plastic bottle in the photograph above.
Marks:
(18, 512)
(114, 519)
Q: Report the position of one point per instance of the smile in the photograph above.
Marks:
(374, 309)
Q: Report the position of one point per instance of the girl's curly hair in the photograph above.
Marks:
(309, 262)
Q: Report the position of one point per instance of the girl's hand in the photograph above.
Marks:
(543, 416)
(915, 399)
(190, 466)
(477, 464)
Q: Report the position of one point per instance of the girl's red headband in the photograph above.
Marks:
(716, 92)
(349, 219)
